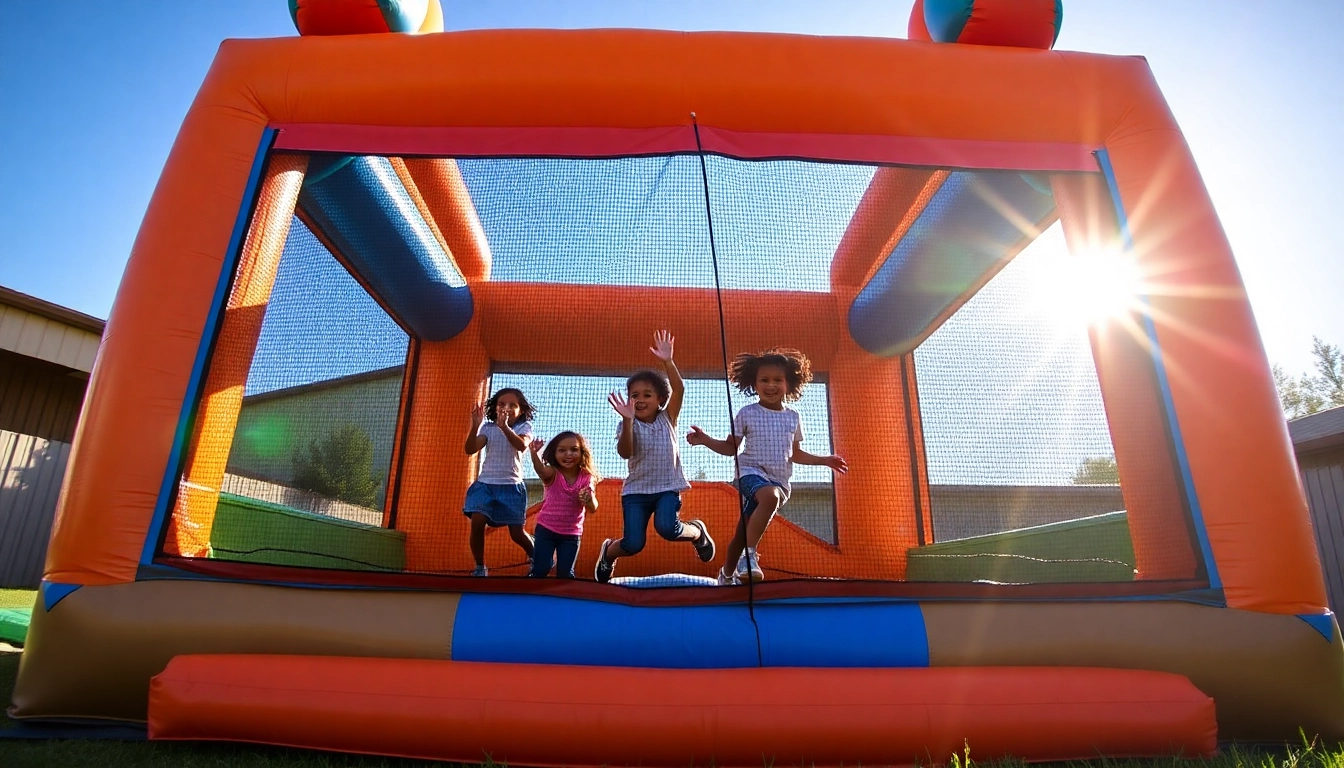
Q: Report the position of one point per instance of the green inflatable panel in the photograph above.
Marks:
(252, 531)
(14, 624)
(1090, 549)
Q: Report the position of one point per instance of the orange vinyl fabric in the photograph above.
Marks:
(222, 397)
(1163, 548)
(1231, 424)
(1234, 438)
(589, 716)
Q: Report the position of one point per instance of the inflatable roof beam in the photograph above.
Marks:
(360, 209)
(968, 231)
(445, 194)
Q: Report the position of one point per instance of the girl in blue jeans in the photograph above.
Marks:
(566, 469)
(647, 440)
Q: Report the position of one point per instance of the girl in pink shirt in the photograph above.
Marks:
(566, 469)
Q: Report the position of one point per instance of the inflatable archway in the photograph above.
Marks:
(355, 237)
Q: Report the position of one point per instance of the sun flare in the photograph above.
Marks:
(1075, 290)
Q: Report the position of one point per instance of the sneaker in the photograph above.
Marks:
(602, 572)
(480, 570)
(725, 579)
(749, 567)
(704, 545)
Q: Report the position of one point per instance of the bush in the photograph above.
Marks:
(340, 467)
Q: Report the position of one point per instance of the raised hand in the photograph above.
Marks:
(837, 464)
(697, 436)
(662, 345)
(621, 405)
(501, 419)
(535, 445)
(478, 412)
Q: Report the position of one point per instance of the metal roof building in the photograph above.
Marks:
(46, 355)
(1318, 441)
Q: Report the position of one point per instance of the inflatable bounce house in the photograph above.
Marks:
(1071, 524)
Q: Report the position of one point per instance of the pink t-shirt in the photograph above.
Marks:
(561, 510)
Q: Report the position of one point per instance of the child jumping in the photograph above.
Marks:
(647, 440)
(498, 497)
(566, 469)
(771, 436)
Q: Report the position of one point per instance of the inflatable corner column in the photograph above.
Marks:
(188, 534)
(1120, 348)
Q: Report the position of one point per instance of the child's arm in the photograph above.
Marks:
(724, 447)
(625, 440)
(662, 349)
(475, 440)
(546, 473)
(588, 497)
(803, 457)
(519, 442)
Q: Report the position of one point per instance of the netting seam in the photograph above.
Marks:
(727, 386)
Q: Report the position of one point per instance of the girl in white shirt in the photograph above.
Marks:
(647, 440)
(503, 427)
(770, 436)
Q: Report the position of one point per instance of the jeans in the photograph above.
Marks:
(636, 508)
(549, 547)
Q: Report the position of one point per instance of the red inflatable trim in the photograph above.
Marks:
(586, 716)
(621, 142)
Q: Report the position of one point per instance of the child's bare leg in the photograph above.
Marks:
(477, 539)
(768, 501)
(735, 547)
(521, 538)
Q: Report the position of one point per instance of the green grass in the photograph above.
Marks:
(19, 753)
(17, 598)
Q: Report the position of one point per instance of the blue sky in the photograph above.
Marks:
(94, 93)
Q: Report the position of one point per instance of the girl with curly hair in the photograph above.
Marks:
(770, 436)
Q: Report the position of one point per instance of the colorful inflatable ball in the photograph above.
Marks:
(363, 17)
(1017, 23)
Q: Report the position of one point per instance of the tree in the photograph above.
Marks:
(340, 467)
(1097, 470)
(1309, 393)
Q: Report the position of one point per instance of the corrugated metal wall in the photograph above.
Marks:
(39, 407)
(1323, 480)
(31, 470)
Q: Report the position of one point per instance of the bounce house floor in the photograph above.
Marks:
(451, 710)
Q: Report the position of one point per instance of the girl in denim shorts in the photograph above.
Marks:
(498, 497)
(770, 435)
(647, 440)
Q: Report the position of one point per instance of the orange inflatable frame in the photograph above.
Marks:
(1097, 124)
(799, 95)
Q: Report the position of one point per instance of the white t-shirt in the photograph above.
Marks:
(767, 441)
(503, 464)
(655, 463)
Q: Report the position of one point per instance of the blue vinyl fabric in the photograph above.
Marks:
(55, 592)
(538, 629)
(1321, 622)
(945, 19)
(963, 233)
(361, 209)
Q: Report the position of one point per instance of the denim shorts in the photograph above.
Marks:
(501, 504)
(748, 485)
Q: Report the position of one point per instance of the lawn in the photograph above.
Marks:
(21, 753)
(17, 598)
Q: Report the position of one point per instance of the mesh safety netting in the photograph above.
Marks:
(951, 347)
